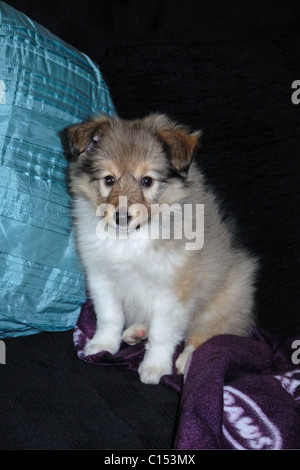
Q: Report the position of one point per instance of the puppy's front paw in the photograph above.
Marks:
(152, 373)
(94, 346)
(134, 334)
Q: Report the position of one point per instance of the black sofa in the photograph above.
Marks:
(225, 67)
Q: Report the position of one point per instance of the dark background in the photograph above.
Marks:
(223, 66)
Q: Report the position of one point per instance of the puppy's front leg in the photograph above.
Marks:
(165, 332)
(110, 317)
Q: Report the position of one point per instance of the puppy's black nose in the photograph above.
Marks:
(122, 218)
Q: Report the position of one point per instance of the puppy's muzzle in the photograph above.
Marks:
(122, 217)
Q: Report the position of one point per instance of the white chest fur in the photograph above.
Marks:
(137, 273)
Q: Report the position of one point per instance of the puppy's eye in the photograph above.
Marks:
(109, 180)
(147, 181)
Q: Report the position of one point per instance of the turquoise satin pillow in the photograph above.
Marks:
(45, 85)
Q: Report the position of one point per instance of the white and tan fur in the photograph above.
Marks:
(154, 288)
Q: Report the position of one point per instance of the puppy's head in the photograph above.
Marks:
(129, 165)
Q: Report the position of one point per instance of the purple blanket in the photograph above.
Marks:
(237, 393)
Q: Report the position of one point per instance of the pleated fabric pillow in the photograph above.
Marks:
(45, 85)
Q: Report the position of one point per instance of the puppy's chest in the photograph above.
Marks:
(137, 266)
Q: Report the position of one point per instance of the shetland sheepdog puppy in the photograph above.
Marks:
(132, 182)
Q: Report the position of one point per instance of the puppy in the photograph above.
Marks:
(125, 176)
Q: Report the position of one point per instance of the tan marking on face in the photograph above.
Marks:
(142, 169)
(126, 195)
(126, 186)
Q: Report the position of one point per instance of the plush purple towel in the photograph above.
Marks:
(241, 393)
(237, 393)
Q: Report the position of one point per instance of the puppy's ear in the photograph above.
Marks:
(180, 146)
(86, 135)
